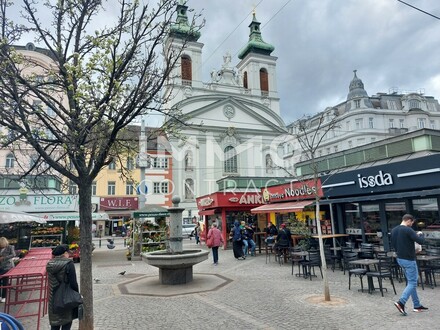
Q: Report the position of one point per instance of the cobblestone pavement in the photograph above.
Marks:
(260, 295)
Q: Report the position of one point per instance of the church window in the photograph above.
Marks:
(245, 80)
(186, 69)
(264, 80)
(230, 162)
(189, 189)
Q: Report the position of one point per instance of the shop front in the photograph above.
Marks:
(369, 201)
(119, 211)
(292, 201)
(226, 207)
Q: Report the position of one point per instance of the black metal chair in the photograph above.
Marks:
(295, 259)
(313, 260)
(353, 269)
(367, 251)
(384, 271)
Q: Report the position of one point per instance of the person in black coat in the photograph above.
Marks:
(59, 268)
(237, 241)
(271, 230)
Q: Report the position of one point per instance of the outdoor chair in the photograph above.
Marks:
(353, 269)
(367, 251)
(344, 251)
(313, 260)
(296, 259)
(269, 248)
(331, 258)
(384, 271)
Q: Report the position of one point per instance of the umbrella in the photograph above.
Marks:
(11, 217)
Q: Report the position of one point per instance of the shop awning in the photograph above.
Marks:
(12, 217)
(151, 211)
(207, 212)
(281, 207)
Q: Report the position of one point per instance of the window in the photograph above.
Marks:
(94, 188)
(129, 189)
(401, 123)
(130, 163)
(10, 161)
(111, 188)
(392, 105)
(421, 122)
(189, 189)
(371, 122)
(414, 104)
(161, 187)
(112, 165)
(264, 80)
(156, 187)
(391, 123)
(33, 160)
(359, 123)
(245, 80)
(432, 124)
(230, 163)
(186, 68)
(357, 104)
(320, 153)
(160, 162)
(73, 189)
(328, 151)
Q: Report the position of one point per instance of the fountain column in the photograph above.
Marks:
(175, 240)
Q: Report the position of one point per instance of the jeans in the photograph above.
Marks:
(411, 273)
(246, 244)
(215, 254)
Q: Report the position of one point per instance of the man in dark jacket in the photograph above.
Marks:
(58, 269)
(402, 240)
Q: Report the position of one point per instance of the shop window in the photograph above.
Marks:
(426, 213)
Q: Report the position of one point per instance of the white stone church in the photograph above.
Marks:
(232, 124)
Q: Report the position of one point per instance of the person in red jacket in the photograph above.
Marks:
(215, 240)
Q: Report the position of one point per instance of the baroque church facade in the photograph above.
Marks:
(231, 124)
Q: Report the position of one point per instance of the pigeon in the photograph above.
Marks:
(110, 246)
(96, 280)
(122, 273)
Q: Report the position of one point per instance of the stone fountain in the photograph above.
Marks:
(175, 264)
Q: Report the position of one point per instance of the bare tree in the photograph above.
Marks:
(71, 109)
(310, 133)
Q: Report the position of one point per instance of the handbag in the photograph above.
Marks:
(65, 298)
(210, 242)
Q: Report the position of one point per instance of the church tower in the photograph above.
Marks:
(257, 68)
(187, 74)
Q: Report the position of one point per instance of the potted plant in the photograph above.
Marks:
(300, 228)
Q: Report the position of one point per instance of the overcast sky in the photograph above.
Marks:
(320, 42)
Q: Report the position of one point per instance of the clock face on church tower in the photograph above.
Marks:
(229, 111)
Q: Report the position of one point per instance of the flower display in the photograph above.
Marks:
(73, 246)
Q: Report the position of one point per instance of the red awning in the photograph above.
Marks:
(281, 207)
(207, 212)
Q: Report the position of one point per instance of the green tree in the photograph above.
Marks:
(105, 70)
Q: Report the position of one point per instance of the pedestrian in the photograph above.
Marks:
(237, 241)
(215, 240)
(403, 239)
(61, 268)
(7, 252)
(197, 232)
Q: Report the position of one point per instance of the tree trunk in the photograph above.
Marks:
(322, 252)
(86, 287)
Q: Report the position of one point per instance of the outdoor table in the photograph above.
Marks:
(27, 284)
(302, 254)
(259, 238)
(367, 263)
(429, 277)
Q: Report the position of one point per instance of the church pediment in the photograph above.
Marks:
(224, 111)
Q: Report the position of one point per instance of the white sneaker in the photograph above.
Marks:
(3, 300)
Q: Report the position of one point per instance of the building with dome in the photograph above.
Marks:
(230, 124)
(364, 119)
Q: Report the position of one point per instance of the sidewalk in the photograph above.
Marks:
(251, 295)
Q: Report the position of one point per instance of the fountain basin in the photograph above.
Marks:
(175, 268)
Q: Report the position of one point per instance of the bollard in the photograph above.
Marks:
(125, 242)
(99, 241)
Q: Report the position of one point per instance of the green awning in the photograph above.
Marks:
(151, 211)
